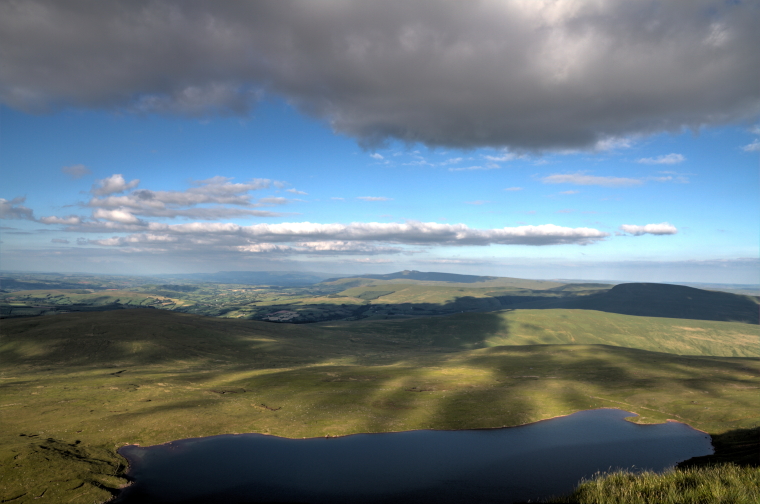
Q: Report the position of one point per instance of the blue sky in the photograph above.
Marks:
(112, 181)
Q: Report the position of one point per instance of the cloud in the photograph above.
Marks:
(664, 159)
(489, 166)
(70, 220)
(569, 192)
(581, 178)
(120, 216)
(295, 191)
(513, 189)
(612, 143)
(112, 185)
(76, 171)
(663, 228)
(273, 201)
(507, 156)
(13, 209)
(198, 234)
(373, 198)
(527, 75)
(377, 156)
(59, 240)
(753, 147)
(220, 191)
(337, 198)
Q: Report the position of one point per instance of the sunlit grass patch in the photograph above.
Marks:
(718, 484)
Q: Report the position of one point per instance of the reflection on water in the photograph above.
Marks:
(495, 465)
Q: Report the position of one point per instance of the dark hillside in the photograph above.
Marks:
(663, 300)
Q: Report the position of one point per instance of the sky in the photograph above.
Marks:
(606, 139)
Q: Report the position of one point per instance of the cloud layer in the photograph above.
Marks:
(331, 239)
(227, 200)
(522, 74)
(664, 159)
(583, 179)
(663, 228)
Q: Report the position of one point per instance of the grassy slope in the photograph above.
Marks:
(531, 327)
(697, 485)
(71, 296)
(663, 300)
(487, 282)
(150, 376)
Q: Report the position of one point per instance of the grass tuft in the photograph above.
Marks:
(716, 484)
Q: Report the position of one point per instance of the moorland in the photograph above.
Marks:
(125, 360)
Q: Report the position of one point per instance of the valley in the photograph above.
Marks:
(76, 386)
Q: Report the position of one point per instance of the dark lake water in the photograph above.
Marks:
(493, 465)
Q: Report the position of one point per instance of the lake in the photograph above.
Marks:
(491, 465)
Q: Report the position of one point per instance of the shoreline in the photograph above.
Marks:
(629, 415)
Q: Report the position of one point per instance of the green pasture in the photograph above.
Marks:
(63, 297)
(557, 326)
(74, 387)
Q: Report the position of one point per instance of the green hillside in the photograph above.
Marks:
(558, 326)
(663, 300)
(445, 279)
(74, 387)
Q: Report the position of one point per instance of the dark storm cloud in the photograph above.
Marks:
(523, 74)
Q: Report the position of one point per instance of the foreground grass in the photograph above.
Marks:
(75, 387)
(725, 483)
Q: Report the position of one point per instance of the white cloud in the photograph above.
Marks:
(377, 156)
(663, 228)
(120, 216)
(507, 156)
(13, 209)
(664, 159)
(612, 143)
(581, 178)
(70, 220)
(296, 191)
(76, 171)
(410, 233)
(513, 189)
(569, 192)
(219, 191)
(338, 198)
(753, 147)
(112, 185)
(373, 198)
(59, 240)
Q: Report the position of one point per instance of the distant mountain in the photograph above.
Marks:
(279, 278)
(662, 300)
(426, 276)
